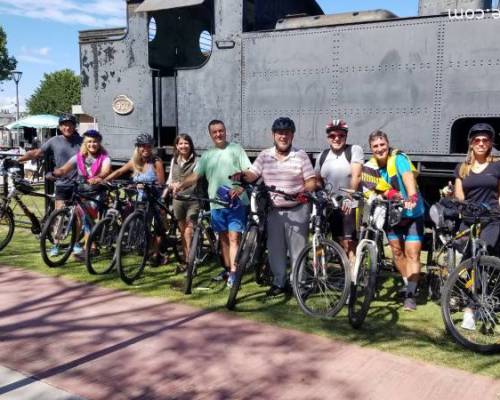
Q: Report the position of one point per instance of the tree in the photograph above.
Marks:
(7, 64)
(57, 92)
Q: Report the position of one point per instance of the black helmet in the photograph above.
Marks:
(66, 117)
(282, 124)
(481, 128)
(143, 139)
(93, 134)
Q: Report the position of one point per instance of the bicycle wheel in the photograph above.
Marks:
(100, 248)
(321, 279)
(132, 247)
(6, 226)
(192, 259)
(363, 290)
(58, 237)
(244, 256)
(470, 305)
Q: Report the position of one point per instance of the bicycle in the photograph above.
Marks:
(321, 275)
(252, 249)
(443, 255)
(60, 228)
(470, 300)
(378, 215)
(198, 253)
(101, 244)
(150, 218)
(15, 190)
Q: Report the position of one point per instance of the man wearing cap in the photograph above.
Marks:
(217, 165)
(62, 147)
(337, 167)
(289, 170)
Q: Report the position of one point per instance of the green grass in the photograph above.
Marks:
(419, 335)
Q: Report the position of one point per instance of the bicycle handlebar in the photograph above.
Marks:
(182, 197)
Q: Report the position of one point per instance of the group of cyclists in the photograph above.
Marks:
(388, 173)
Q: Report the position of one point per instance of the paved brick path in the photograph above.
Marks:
(104, 344)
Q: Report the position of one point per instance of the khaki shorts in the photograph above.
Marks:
(185, 210)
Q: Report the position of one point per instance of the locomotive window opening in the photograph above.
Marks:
(183, 37)
(205, 43)
(151, 29)
(263, 14)
(460, 132)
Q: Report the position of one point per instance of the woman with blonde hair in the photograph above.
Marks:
(93, 165)
(145, 168)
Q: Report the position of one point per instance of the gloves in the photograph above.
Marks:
(302, 197)
(393, 194)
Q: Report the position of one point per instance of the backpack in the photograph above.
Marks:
(324, 154)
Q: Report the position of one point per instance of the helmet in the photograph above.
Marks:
(282, 124)
(337, 125)
(143, 139)
(92, 133)
(481, 128)
(223, 193)
(66, 117)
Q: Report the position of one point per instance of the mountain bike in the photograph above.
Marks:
(321, 276)
(100, 254)
(151, 220)
(61, 228)
(18, 192)
(205, 242)
(251, 255)
(470, 300)
(378, 215)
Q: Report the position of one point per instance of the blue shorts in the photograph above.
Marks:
(408, 230)
(229, 219)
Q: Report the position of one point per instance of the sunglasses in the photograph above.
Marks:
(337, 136)
(481, 140)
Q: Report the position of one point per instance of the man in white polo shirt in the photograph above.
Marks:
(290, 171)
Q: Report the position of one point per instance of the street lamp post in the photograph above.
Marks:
(16, 76)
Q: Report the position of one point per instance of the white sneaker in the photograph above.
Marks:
(469, 321)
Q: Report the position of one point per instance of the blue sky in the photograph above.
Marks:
(43, 34)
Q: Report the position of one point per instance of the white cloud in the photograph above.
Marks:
(93, 13)
(9, 104)
(35, 55)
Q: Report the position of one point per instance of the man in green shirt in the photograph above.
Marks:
(217, 165)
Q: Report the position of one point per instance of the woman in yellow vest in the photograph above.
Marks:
(390, 173)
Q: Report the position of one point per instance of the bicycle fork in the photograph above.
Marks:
(362, 243)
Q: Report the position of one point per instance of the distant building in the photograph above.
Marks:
(86, 121)
(5, 119)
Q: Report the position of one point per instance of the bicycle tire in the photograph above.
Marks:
(362, 293)
(246, 250)
(321, 290)
(7, 221)
(132, 248)
(173, 242)
(55, 231)
(194, 250)
(100, 249)
(457, 296)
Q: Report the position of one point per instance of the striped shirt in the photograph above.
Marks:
(288, 175)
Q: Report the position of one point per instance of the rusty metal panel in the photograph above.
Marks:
(366, 74)
(471, 71)
(110, 68)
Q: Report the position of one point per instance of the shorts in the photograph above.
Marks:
(408, 230)
(343, 225)
(64, 191)
(229, 219)
(185, 210)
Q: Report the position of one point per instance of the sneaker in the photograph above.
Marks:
(410, 303)
(221, 276)
(469, 321)
(156, 260)
(180, 268)
(54, 251)
(230, 279)
(77, 249)
(275, 291)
